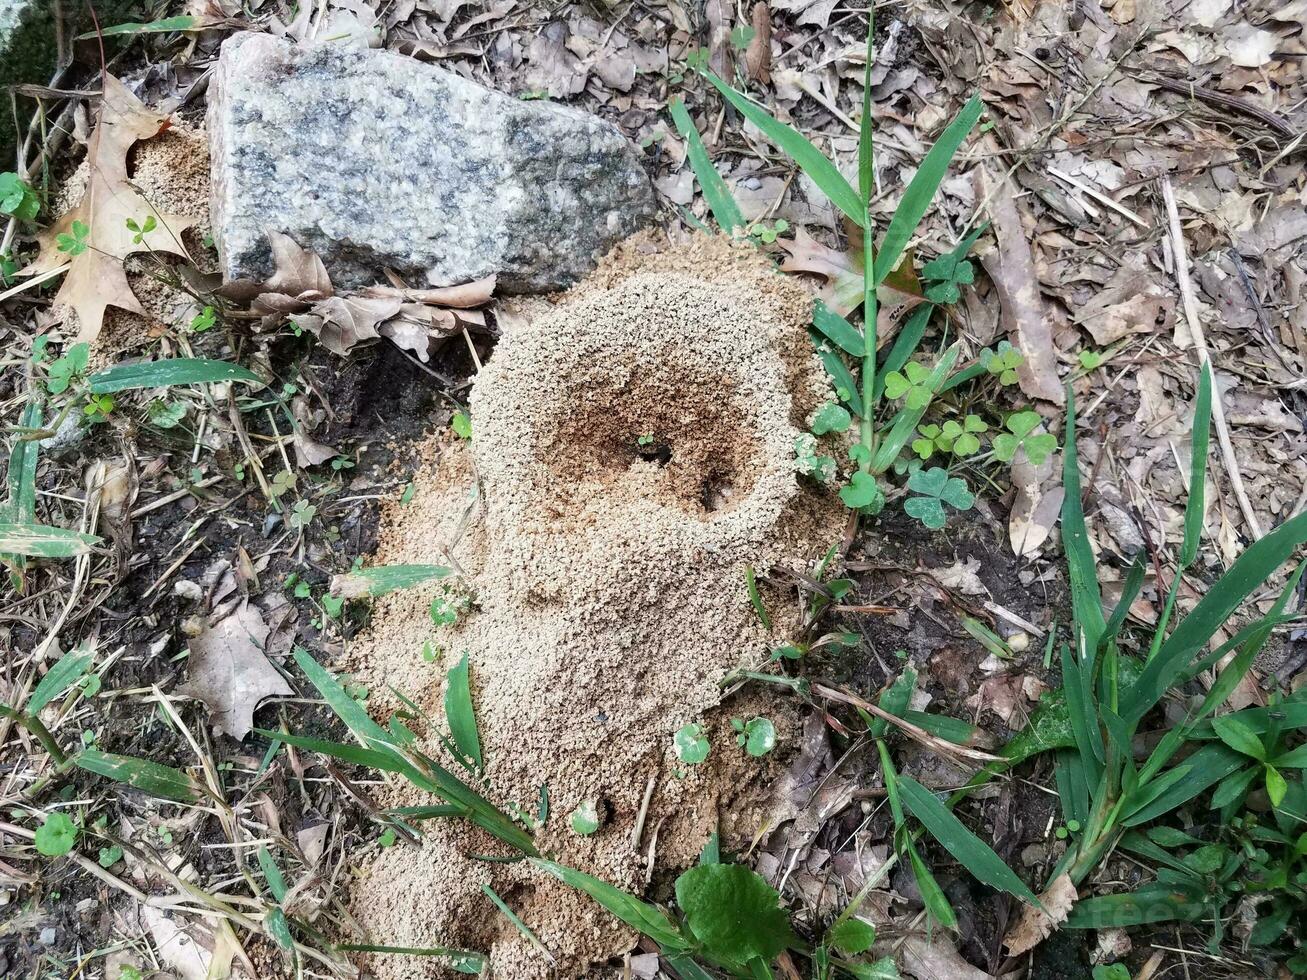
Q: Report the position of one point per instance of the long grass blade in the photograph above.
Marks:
(921, 190)
(840, 332)
(1196, 505)
(461, 960)
(149, 777)
(174, 371)
(1086, 602)
(639, 915)
(721, 202)
(797, 147)
(460, 714)
(839, 373)
(65, 672)
(20, 506)
(970, 851)
(1208, 766)
(383, 579)
(42, 541)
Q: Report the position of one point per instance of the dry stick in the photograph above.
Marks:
(1190, 303)
(914, 732)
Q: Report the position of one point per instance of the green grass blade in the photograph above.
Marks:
(1208, 766)
(969, 850)
(429, 812)
(639, 915)
(1086, 602)
(1134, 583)
(167, 25)
(1084, 719)
(1196, 505)
(20, 506)
(173, 371)
(356, 755)
(1072, 786)
(1249, 571)
(353, 714)
(810, 160)
(383, 579)
(895, 699)
(867, 125)
(839, 373)
(720, 201)
(149, 777)
(953, 730)
(272, 874)
(840, 332)
(63, 674)
(460, 714)
(460, 960)
(755, 597)
(513, 917)
(932, 896)
(921, 190)
(42, 541)
(905, 423)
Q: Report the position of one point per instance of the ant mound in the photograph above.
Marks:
(632, 454)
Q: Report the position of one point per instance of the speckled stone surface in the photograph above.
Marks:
(377, 160)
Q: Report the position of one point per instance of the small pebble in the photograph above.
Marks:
(1019, 642)
(188, 590)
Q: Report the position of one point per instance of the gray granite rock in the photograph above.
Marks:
(376, 160)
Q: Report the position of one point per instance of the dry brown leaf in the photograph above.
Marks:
(1036, 924)
(1012, 267)
(341, 322)
(937, 959)
(1037, 503)
(229, 672)
(298, 272)
(469, 294)
(757, 56)
(95, 278)
(308, 451)
(1009, 696)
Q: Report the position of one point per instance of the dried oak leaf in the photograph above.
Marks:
(1036, 924)
(341, 322)
(229, 672)
(95, 278)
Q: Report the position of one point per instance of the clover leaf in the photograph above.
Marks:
(1091, 360)
(911, 382)
(830, 418)
(585, 818)
(1021, 435)
(936, 488)
(863, 493)
(17, 197)
(949, 271)
(1003, 361)
(925, 446)
(67, 368)
(961, 436)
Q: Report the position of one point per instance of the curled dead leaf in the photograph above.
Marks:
(341, 322)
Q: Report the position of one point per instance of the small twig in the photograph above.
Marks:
(1190, 304)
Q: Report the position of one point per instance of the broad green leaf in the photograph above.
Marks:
(932, 896)
(149, 777)
(167, 25)
(1276, 786)
(838, 330)
(690, 744)
(953, 730)
(1233, 787)
(173, 371)
(279, 928)
(1239, 737)
(63, 674)
(460, 714)
(797, 147)
(734, 913)
(56, 835)
(895, 700)
(921, 190)
(382, 579)
(969, 850)
(639, 915)
(1152, 903)
(715, 192)
(272, 874)
(1196, 505)
(830, 418)
(435, 812)
(41, 541)
(852, 936)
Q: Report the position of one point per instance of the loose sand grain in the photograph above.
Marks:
(609, 595)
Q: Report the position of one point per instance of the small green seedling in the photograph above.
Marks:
(1091, 360)
(166, 415)
(462, 425)
(690, 744)
(757, 736)
(911, 385)
(204, 320)
(585, 818)
(142, 228)
(56, 836)
(98, 407)
(68, 369)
